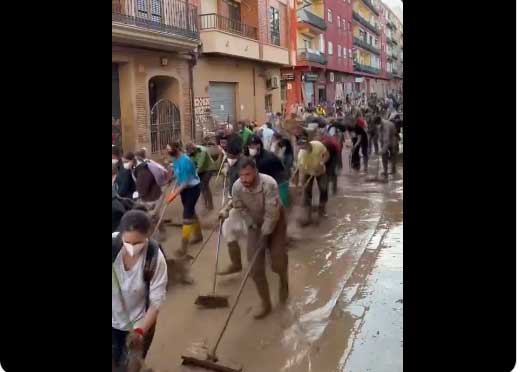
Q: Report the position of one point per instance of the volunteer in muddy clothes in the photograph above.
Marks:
(312, 158)
(205, 169)
(255, 196)
(135, 300)
(188, 186)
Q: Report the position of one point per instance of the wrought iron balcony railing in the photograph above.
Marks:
(363, 44)
(364, 22)
(175, 17)
(310, 55)
(312, 19)
(215, 21)
(365, 68)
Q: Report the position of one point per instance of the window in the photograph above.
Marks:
(339, 51)
(329, 15)
(331, 49)
(344, 52)
(344, 24)
(339, 22)
(269, 103)
(306, 44)
(370, 39)
(155, 8)
(376, 42)
(274, 26)
(322, 43)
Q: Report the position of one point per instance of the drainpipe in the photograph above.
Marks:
(193, 61)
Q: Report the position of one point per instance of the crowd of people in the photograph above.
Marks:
(258, 165)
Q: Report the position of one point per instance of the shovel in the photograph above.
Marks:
(213, 301)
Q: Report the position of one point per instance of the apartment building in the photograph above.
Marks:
(393, 30)
(304, 81)
(153, 44)
(244, 45)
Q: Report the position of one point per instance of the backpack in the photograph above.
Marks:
(127, 203)
(159, 172)
(150, 264)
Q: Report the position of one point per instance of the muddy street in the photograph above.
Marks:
(345, 306)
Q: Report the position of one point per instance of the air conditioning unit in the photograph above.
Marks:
(272, 83)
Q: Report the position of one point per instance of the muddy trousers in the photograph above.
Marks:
(332, 173)
(277, 250)
(390, 155)
(205, 177)
(373, 141)
(323, 185)
(119, 350)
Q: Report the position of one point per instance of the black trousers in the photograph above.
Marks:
(323, 185)
(356, 158)
(189, 197)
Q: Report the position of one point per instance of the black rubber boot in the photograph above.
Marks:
(236, 259)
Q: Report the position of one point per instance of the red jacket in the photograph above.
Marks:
(361, 122)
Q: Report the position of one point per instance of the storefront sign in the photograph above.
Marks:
(360, 79)
(287, 76)
(311, 76)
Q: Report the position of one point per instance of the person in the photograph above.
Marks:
(255, 197)
(266, 134)
(334, 148)
(233, 227)
(359, 142)
(389, 144)
(245, 132)
(118, 209)
(124, 183)
(188, 186)
(283, 149)
(139, 279)
(148, 191)
(373, 136)
(320, 111)
(311, 163)
(268, 163)
(205, 170)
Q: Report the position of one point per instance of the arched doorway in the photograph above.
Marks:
(165, 117)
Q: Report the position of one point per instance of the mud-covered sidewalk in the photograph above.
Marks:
(345, 281)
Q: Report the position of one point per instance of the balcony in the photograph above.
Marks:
(391, 39)
(214, 21)
(363, 44)
(366, 69)
(164, 24)
(310, 55)
(221, 35)
(391, 25)
(365, 23)
(371, 6)
(312, 19)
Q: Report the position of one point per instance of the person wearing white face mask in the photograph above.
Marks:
(139, 279)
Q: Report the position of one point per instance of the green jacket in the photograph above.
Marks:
(202, 160)
(245, 135)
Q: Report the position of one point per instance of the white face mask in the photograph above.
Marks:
(253, 151)
(232, 161)
(114, 161)
(134, 249)
(127, 165)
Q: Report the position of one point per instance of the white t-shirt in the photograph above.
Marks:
(133, 289)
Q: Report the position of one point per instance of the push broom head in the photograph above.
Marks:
(212, 302)
(208, 364)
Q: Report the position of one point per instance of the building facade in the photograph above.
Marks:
(304, 81)
(393, 31)
(152, 58)
(244, 45)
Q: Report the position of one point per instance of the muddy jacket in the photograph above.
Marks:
(388, 135)
(259, 206)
